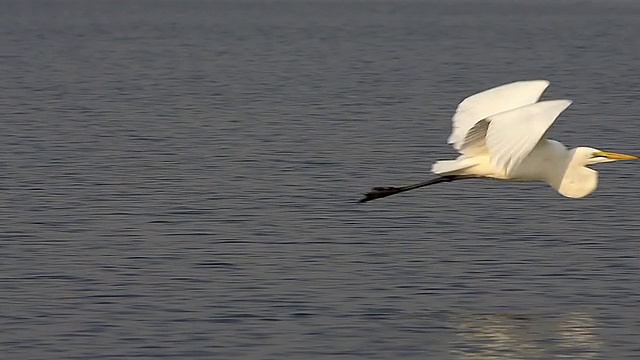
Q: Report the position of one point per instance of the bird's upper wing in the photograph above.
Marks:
(511, 135)
(491, 102)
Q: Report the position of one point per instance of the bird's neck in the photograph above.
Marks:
(577, 180)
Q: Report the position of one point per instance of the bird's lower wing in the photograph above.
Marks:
(510, 136)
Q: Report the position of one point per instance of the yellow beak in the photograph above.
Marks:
(614, 156)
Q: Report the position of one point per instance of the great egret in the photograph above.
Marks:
(500, 134)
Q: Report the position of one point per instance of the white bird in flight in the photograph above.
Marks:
(500, 134)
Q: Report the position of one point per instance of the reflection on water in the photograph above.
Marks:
(578, 335)
(506, 336)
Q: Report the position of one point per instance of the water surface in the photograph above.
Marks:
(179, 180)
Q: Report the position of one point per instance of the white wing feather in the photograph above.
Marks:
(491, 102)
(512, 135)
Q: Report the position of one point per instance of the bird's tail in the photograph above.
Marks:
(446, 167)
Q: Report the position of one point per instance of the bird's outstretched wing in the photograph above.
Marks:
(510, 136)
(491, 102)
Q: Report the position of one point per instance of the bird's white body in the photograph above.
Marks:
(500, 134)
(548, 162)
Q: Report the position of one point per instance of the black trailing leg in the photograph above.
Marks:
(384, 191)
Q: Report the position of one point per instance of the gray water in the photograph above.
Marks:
(178, 180)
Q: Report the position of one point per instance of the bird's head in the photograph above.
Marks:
(591, 156)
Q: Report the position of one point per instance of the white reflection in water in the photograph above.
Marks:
(506, 336)
(578, 336)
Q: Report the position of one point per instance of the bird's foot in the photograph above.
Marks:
(379, 192)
